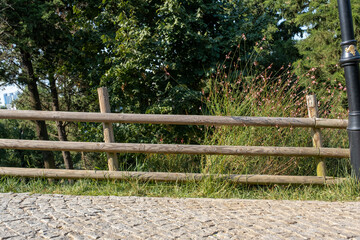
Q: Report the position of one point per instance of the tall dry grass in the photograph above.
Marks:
(233, 91)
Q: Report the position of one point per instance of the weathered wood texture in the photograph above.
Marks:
(313, 112)
(104, 103)
(173, 119)
(164, 176)
(173, 148)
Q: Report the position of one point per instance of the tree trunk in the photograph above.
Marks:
(59, 124)
(41, 130)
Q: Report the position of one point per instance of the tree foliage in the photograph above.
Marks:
(318, 67)
(154, 56)
(162, 50)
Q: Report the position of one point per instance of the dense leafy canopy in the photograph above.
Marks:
(163, 50)
(320, 50)
(156, 56)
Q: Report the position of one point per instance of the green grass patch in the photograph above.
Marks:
(349, 190)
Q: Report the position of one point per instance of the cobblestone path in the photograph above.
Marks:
(26, 216)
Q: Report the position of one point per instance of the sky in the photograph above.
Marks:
(8, 89)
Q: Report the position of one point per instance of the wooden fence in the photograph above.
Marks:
(112, 148)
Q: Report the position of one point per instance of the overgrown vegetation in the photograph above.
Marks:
(162, 56)
(154, 57)
(232, 91)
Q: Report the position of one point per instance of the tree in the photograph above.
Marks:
(318, 68)
(162, 51)
(28, 30)
(154, 55)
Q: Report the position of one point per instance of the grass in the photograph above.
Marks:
(349, 190)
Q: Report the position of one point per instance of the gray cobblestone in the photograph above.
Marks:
(35, 216)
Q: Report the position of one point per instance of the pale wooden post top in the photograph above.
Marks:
(104, 103)
(317, 140)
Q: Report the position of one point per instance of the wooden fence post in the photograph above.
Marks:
(313, 112)
(108, 129)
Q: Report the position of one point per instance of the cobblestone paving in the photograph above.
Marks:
(26, 216)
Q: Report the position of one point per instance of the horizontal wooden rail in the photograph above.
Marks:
(164, 176)
(173, 148)
(330, 123)
(173, 119)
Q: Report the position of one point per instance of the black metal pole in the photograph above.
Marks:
(349, 61)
